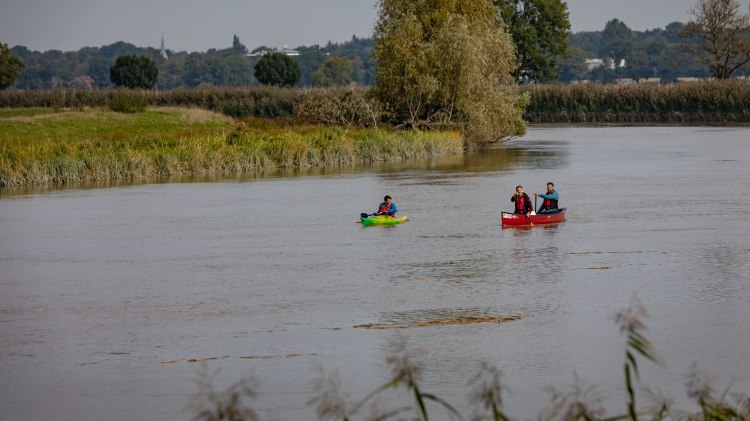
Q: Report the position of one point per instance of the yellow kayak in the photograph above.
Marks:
(382, 220)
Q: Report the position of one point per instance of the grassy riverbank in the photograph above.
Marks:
(40, 146)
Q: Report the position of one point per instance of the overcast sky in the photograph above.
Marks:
(197, 25)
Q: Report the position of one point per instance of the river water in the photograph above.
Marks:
(100, 288)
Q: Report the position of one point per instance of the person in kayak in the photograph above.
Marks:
(550, 200)
(387, 207)
(522, 200)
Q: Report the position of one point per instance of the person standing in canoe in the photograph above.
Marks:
(522, 201)
(550, 200)
(387, 207)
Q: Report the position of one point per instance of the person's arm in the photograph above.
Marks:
(529, 206)
(393, 209)
(513, 199)
(552, 196)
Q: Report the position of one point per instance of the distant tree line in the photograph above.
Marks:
(89, 67)
(715, 43)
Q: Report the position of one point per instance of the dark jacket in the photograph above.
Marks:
(523, 203)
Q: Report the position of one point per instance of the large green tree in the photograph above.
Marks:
(540, 31)
(725, 32)
(10, 67)
(134, 72)
(277, 69)
(447, 63)
(336, 71)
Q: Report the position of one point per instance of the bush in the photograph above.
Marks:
(345, 107)
(128, 101)
(134, 72)
(278, 70)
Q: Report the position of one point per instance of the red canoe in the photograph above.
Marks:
(521, 220)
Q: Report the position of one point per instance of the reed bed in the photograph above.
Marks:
(256, 101)
(699, 102)
(40, 147)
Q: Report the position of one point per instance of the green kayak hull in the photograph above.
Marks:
(382, 220)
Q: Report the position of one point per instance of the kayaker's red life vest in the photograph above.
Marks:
(521, 203)
(384, 208)
(549, 204)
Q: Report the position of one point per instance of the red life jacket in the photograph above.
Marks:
(521, 204)
(384, 208)
(549, 204)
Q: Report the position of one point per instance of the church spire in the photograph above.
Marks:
(163, 48)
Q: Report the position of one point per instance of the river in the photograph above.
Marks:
(101, 288)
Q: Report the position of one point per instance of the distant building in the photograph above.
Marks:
(593, 63)
(688, 79)
(285, 51)
(649, 80)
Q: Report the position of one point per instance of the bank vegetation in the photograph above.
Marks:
(42, 146)
(698, 102)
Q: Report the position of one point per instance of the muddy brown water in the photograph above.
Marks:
(108, 295)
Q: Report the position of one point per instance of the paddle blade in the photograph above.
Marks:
(364, 215)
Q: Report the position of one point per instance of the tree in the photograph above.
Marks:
(574, 66)
(725, 33)
(237, 46)
(336, 71)
(617, 41)
(10, 67)
(540, 31)
(447, 63)
(134, 72)
(277, 69)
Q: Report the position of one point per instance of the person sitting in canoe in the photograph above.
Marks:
(550, 200)
(522, 200)
(387, 207)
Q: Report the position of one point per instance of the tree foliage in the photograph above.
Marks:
(447, 63)
(540, 31)
(10, 67)
(336, 71)
(725, 33)
(134, 72)
(278, 70)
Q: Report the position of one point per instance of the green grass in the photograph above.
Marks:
(39, 146)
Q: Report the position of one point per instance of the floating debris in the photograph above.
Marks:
(193, 360)
(265, 357)
(592, 268)
(583, 253)
(459, 321)
(118, 353)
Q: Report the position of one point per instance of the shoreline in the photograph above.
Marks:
(44, 148)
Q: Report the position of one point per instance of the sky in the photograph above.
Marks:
(198, 25)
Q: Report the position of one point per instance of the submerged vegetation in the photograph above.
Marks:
(40, 146)
(485, 393)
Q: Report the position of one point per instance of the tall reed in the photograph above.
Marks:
(699, 102)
